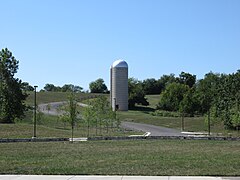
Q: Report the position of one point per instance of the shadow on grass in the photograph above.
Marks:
(144, 109)
(62, 128)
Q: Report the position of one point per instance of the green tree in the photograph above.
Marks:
(187, 79)
(49, 87)
(164, 81)
(188, 105)
(67, 88)
(98, 86)
(70, 113)
(71, 87)
(151, 86)
(52, 88)
(27, 87)
(99, 114)
(12, 96)
(172, 96)
(236, 93)
(136, 93)
(88, 116)
(207, 92)
(235, 116)
(77, 89)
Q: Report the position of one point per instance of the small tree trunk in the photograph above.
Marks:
(72, 133)
(100, 124)
(88, 128)
(96, 126)
(209, 124)
(183, 121)
(112, 121)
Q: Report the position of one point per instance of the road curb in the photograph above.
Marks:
(116, 138)
(12, 140)
(165, 137)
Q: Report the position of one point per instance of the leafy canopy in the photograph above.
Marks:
(11, 89)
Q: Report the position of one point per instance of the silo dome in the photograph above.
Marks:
(120, 63)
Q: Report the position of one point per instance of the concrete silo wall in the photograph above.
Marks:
(119, 88)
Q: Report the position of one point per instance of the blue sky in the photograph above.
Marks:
(76, 41)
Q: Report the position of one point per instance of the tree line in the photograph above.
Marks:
(216, 95)
(65, 88)
(97, 86)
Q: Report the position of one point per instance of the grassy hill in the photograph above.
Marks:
(47, 97)
(51, 126)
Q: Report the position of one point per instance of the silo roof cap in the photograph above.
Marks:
(120, 63)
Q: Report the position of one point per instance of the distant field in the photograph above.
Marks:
(141, 157)
(153, 100)
(47, 97)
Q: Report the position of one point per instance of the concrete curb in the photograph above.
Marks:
(122, 138)
(165, 137)
(11, 140)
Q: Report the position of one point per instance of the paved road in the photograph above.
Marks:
(154, 130)
(53, 108)
(43, 177)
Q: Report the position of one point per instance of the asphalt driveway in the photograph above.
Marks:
(154, 130)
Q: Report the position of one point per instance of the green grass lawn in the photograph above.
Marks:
(153, 100)
(143, 114)
(143, 157)
(191, 124)
(24, 130)
(52, 126)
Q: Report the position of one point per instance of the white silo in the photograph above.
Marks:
(119, 85)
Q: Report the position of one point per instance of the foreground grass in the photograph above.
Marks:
(25, 130)
(156, 157)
